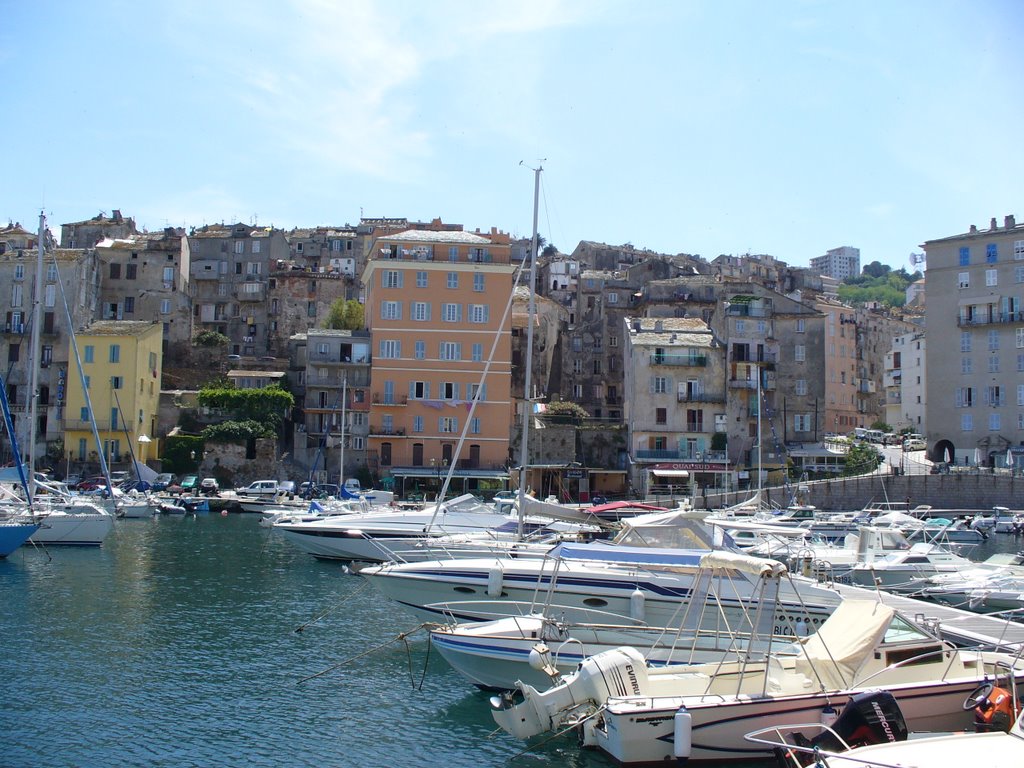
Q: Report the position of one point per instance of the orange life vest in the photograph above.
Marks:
(995, 711)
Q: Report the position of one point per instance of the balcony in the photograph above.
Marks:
(86, 425)
(686, 360)
(743, 383)
(990, 318)
(336, 358)
(379, 399)
(695, 426)
(251, 291)
(699, 397)
(18, 328)
(683, 455)
(866, 386)
(378, 431)
(765, 358)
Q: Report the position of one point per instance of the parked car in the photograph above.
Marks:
(163, 481)
(209, 486)
(119, 477)
(914, 444)
(91, 483)
(262, 488)
(318, 490)
(189, 482)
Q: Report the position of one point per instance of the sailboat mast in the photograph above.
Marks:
(759, 456)
(34, 361)
(528, 378)
(341, 460)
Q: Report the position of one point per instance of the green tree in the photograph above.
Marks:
(876, 269)
(862, 459)
(266, 406)
(565, 412)
(345, 315)
(211, 339)
(881, 426)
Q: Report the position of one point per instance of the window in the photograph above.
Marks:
(16, 292)
(310, 309)
(19, 271)
(13, 353)
(478, 282)
(90, 350)
(1020, 362)
(993, 421)
(421, 279)
(474, 426)
(1020, 338)
(421, 350)
(993, 396)
(577, 366)
(799, 353)
(129, 305)
(390, 278)
(613, 298)
(993, 364)
(391, 310)
(448, 424)
(115, 271)
(419, 390)
(991, 277)
(84, 414)
(966, 422)
(113, 418)
(165, 306)
(116, 382)
(613, 341)
(965, 256)
(965, 397)
(659, 384)
(965, 365)
(253, 268)
(420, 311)
(993, 341)
(239, 246)
(1018, 274)
(390, 349)
(802, 422)
(1018, 250)
(577, 391)
(115, 353)
(451, 313)
(453, 253)
(473, 389)
(800, 325)
(597, 367)
(965, 341)
(417, 423)
(741, 326)
(131, 271)
(450, 350)
(1020, 394)
(661, 416)
(453, 280)
(963, 279)
(478, 352)
(991, 253)
(388, 424)
(801, 386)
(479, 313)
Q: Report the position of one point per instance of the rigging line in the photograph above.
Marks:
(574, 724)
(337, 605)
(367, 652)
(547, 213)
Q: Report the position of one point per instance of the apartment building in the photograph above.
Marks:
(122, 363)
(66, 272)
(975, 361)
(839, 355)
(675, 401)
(877, 325)
(839, 263)
(298, 300)
(435, 302)
(334, 391)
(86, 234)
(146, 277)
(230, 265)
(906, 384)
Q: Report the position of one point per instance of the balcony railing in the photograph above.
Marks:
(764, 357)
(695, 426)
(14, 327)
(743, 383)
(992, 318)
(659, 358)
(677, 455)
(699, 397)
(379, 399)
(379, 431)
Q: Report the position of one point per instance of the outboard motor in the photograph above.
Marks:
(871, 717)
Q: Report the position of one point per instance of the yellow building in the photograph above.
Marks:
(122, 361)
(435, 303)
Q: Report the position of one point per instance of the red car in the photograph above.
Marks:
(92, 483)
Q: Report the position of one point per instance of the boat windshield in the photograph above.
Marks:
(674, 533)
(902, 631)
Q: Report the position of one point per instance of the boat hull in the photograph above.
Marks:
(86, 529)
(13, 535)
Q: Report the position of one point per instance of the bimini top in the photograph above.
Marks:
(606, 553)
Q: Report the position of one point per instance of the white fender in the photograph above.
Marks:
(682, 733)
(494, 581)
(636, 605)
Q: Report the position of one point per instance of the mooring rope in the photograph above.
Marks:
(334, 607)
(400, 637)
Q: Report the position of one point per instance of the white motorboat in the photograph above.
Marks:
(905, 571)
(994, 593)
(648, 583)
(385, 533)
(695, 713)
(722, 618)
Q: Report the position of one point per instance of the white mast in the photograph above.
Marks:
(33, 360)
(759, 456)
(528, 378)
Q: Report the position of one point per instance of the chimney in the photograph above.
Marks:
(974, 230)
(659, 326)
(992, 225)
(1009, 222)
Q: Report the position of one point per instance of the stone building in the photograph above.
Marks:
(86, 234)
(146, 277)
(230, 276)
(975, 360)
(299, 300)
(905, 383)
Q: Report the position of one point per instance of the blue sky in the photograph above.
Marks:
(701, 127)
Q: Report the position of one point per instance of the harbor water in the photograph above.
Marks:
(209, 641)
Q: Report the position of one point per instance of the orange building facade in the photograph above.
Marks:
(436, 307)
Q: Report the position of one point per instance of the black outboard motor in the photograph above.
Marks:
(871, 717)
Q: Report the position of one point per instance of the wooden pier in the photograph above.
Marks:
(964, 628)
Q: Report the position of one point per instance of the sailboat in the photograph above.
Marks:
(65, 519)
(14, 531)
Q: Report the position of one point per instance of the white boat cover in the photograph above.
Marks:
(758, 566)
(843, 643)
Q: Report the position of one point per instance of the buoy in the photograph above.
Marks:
(494, 579)
(681, 733)
(636, 605)
(829, 716)
(223, 513)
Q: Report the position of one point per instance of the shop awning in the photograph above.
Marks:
(670, 473)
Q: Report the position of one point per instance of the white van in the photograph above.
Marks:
(860, 433)
(875, 436)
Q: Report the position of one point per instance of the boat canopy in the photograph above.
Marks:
(758, 566)
(629, 555)
(844, 642)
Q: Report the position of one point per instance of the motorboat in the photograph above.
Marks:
(906, 570)
(386, 534)
(647, 572)
(639, 714)
(871, 732)
(722, 617)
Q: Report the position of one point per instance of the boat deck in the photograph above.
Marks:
(961, 627)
